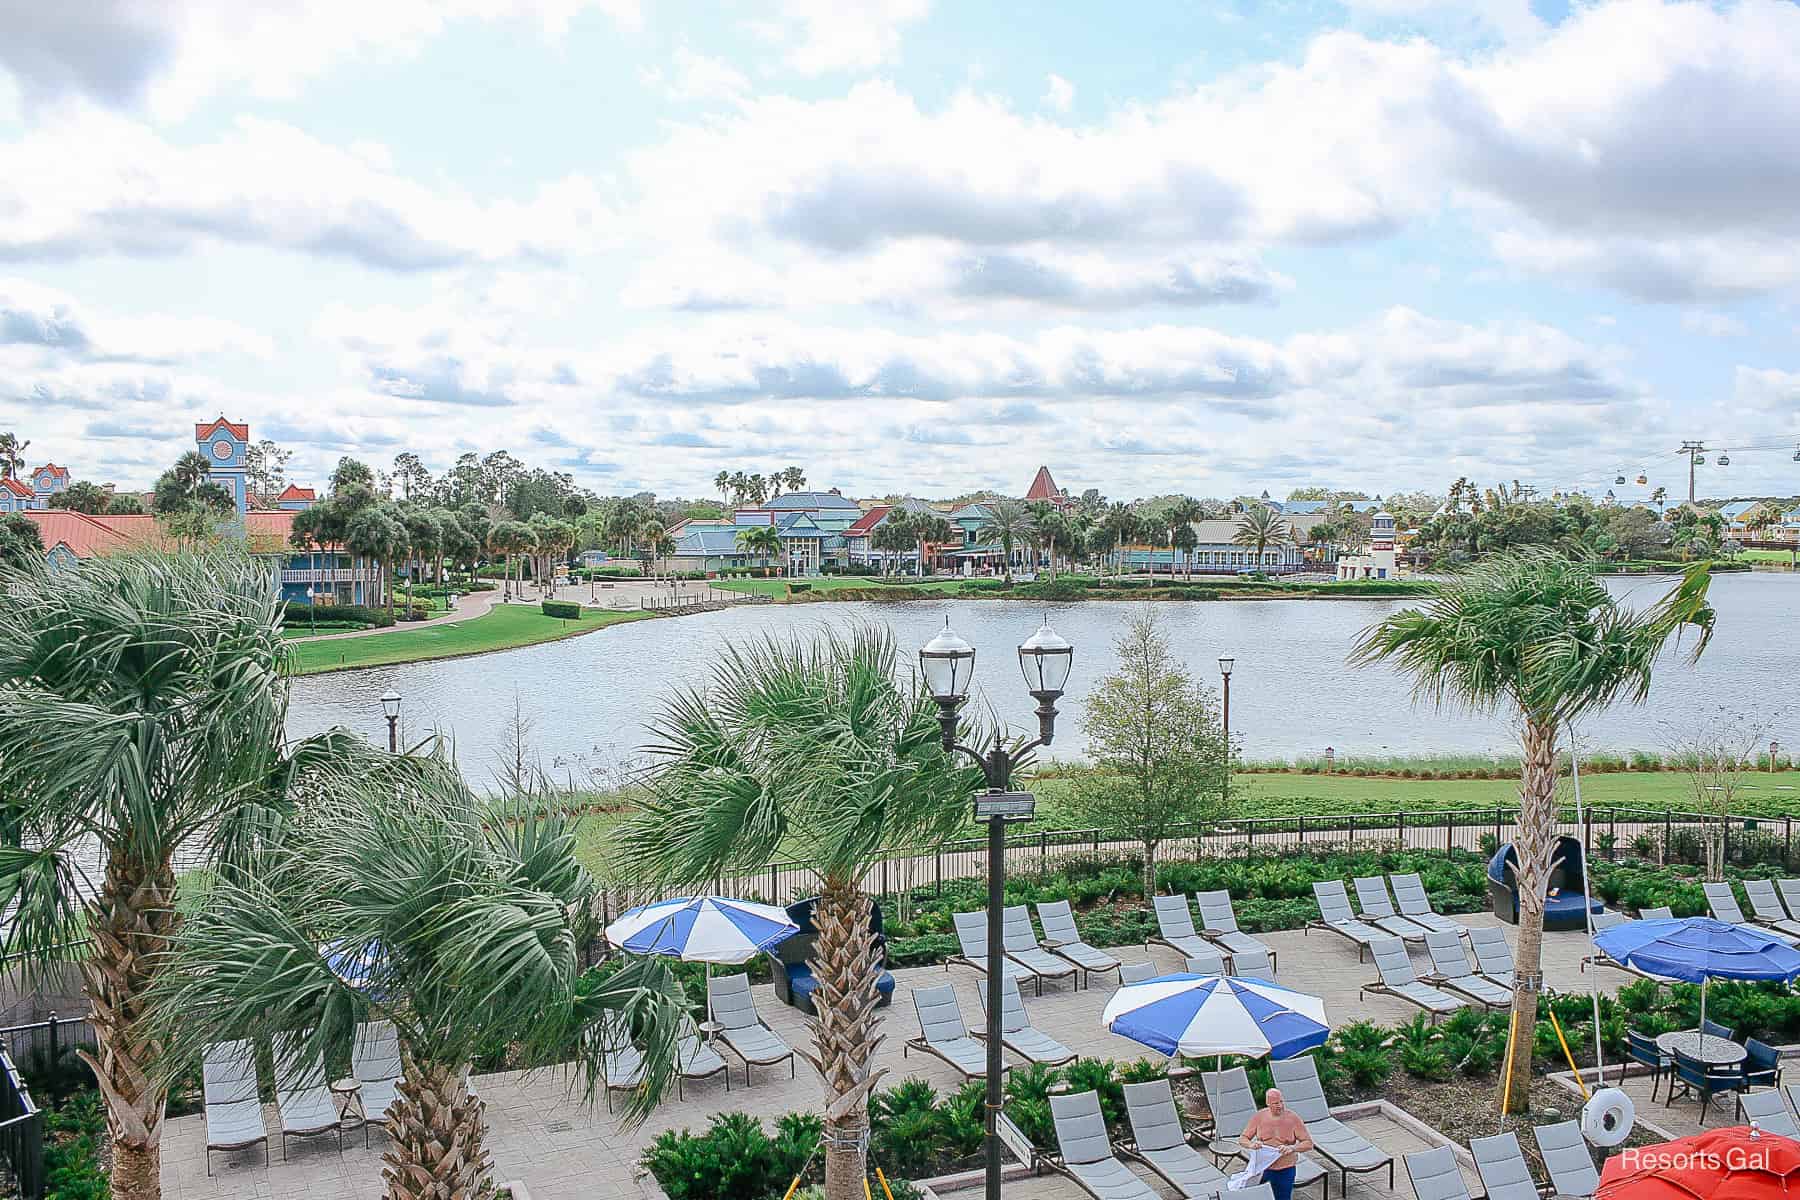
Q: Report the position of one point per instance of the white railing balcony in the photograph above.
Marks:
(331, 575)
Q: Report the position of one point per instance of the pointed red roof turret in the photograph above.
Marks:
(1044, 488)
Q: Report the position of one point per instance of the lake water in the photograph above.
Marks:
(587, 699)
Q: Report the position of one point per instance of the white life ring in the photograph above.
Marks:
(1607, 1118)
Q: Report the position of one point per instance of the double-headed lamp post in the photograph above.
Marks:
(1225, 665)
(390, 708)
(948, 664)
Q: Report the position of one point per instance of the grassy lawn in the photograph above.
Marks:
(1767, 556)
(504, 628)
(831, 583)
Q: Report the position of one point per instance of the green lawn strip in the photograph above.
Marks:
(503, 628)
(832, 583)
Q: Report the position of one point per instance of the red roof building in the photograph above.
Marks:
(238, 430)
(865, 524)
(1044, 488)
(16, 488)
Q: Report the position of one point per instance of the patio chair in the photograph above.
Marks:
(1493, 956)
(1341, 1146)
(971, 938)
(1018, 1034)
(1253, 964)
(1656, 912)
(1062, 939)
(1019, 940)
(699, 1059)
(1768, 1111)
(1645, 1052)
(1789, 891)
(1218, 921)
(1207, 962)
(1336, 916)
(375, 1064)
(1792, 1092)
(1136, 972)
(1607, 920)
(1722, 900)
(1567, 1160)
(745, 1033)
(1175, 927)
(301, 1094)
(1436, 1175)
(1762, 1067)
(234, 1115)
(1397, 980)
(1160, 1142)
(1378, 910)
(1085, 1153)
(1705, 1080)
(1415, 905)
(944, 1034)
(1501, 1165)
(1450, 969)
(1766, 904)
(1711, 1028)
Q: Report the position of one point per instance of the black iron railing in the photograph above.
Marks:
(21, 1132)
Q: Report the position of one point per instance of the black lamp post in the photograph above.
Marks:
(390, 708)
(948, 664)
(1225, 665)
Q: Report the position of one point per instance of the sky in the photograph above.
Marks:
(911, 245)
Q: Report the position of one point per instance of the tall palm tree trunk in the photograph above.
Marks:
(132, 922)
(844, 1038)
(436, 1137)
(1535, 842)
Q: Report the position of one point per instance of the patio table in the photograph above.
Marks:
(1714, 1051)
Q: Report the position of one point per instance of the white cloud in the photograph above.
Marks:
(1713, 324)
(1770, 391)
(841, 35)
(167, 55)
(1510, 20)
(128, 191)
(697, 77)
(37, 322)
(1059, 94)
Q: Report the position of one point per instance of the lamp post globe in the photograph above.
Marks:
(390, 708)
(1226, 663)
(1045, 659)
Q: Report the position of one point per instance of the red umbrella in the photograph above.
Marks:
(1720, 1164)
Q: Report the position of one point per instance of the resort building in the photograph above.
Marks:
(1382, 560)
(33, 492)
(1217, 552)
(811, 527)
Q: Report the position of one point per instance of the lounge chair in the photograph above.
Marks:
(699, 1059)
(944, 1034)
(1161, 1143)
(1218, 921)
(1175, 927)
(1207, 962)
(1253, 964)
(302, 1095)
(1232, 1104)
(1722, 900)
(1769, 1112)
(1656, 912)
(1609, 919)
(1397, 980)
(1766, 904)
(1336, 915)
(971, 938)
(1378, 910)
(375, 1064)
(745, 1033)
(1415, 905)
(1436, 1175)
(1501, 1165)
(1789, 891)
(1136, 972)
(1492, 953)
(1450, 969)
(1792, 1092)
(1340, 1145)
(1019, 940)
(234, 1115)
(1567, 1160)
(1085, 1154)
(1018, 1034)
(624, 1065)
(1062, 939)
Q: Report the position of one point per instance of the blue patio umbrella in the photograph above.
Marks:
(708, 929)
(1699, 950)
(1196, 1015)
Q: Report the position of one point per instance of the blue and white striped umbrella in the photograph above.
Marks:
(709, 929)
(1199, 1015)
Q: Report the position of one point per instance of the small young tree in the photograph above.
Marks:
(1159, 751)
(1718, 755)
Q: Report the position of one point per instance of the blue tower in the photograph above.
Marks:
(224, 446)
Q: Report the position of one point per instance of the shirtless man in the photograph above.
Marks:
(1277, 1128)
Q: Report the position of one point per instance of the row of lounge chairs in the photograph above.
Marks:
(303, 1097)
(946, 1035)
(1776, 904)
(1085, 1153)
(1061, 955)
(1411, 920)
(1217, 934)
(1501, 1165)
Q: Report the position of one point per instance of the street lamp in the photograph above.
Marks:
(1225, 665)
(311, 609)
(390, 707)
(948, 664)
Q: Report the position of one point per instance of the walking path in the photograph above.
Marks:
(468, 607)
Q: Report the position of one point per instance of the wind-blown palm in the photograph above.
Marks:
(1010, 523)
(141, 708)
(1182, 515)
(1258, 527)
(818, 752)
(465, 924)
(1538, 635)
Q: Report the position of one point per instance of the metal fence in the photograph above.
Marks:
(1660, 835)
(21, 1132)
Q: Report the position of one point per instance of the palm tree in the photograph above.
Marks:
(1010, 522)
(1539, 636)
(512, 538)
(759, 489)
(142, 710)
(1259, 526)
(763, 541)
(1183, 512)
(893, 536)
(722, 482)
(1121, 526)
(819, 751)
(1658, 497)
(466, 920)
(377, 533)
(931, 530)
(740, 487)
(12, 455)
(795, 479)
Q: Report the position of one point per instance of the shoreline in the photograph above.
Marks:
(601, 620)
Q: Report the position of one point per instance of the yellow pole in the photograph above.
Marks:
(1512, 1031)
(792, 1188)
(867, 1194)
(1564, 1042)
(885, 1189)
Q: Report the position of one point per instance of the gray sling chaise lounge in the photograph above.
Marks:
(1175, 927)
(1019, 940)
(1218, 922)
(1397, 980)
(1435, 1175)
(746, 1034)
(1340, 1145)
(1253, 964)
(1501, 1165)
(971, 939)
(1415, 905)
(1766, 903)
(1159, 1141)
(944, 1034)
(1770, 1112)
(1207, 962)
(1450, 968)
(1336, 916)
(234, 1115)
(1062, 939)
(1567, 1160)
(1378, 909)
(375, 1065)
(1492, 953)
(1136, 972)
(1017, 1033)
(1085, 1154)
(302, 1095)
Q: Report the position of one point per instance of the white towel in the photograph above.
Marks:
(1261, 1159)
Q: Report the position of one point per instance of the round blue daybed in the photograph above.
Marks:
(1562, 908)
(794, 980)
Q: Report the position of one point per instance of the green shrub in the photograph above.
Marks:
(72, 1148)
(566, 610)
(297, 614)
(1366, 1068)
